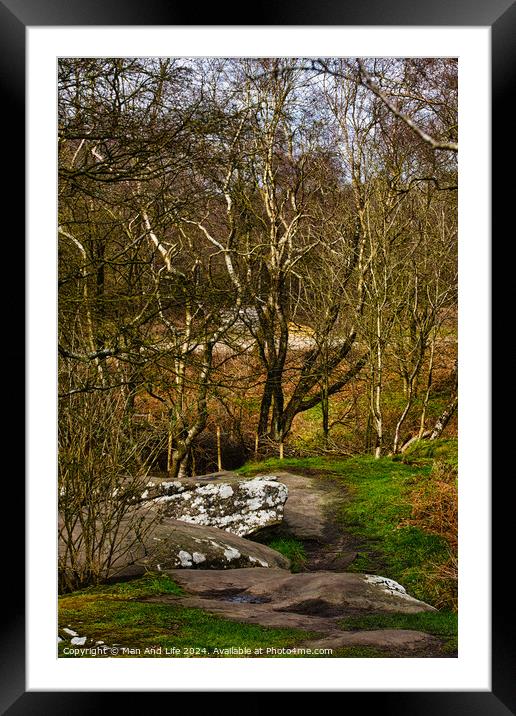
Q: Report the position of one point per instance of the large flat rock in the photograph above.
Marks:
(252, 613)
(312, 602)
(326, 594)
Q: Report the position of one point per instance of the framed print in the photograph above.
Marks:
(73, 62)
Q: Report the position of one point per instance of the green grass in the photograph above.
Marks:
(116, 614)
(151, 584)
(291, 548)
(443, 624)
(429, 450)
(291, 463)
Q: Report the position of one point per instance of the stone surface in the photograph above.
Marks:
(240, 506)
(305, 510)
(326, 594)
(312, 602)
(171, 544)
(262, 614)
(175, 544)
(390, 639)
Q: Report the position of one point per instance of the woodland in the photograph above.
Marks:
(257, 269)
(248, 244)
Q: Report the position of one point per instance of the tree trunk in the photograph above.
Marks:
(396, 442)
(182, 468)
(325, 407)
(178, 464)
(444, 418)
(277, 408)
(265, 407)
(427, 391)
(368, 433)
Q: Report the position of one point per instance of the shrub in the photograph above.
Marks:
(102, 471)
(435, 509)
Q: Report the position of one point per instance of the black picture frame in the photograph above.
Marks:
(500, 16)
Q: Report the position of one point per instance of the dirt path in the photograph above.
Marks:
(308, 517)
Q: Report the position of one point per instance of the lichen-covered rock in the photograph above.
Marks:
(238, 506)
(173, 544)
(146, 541)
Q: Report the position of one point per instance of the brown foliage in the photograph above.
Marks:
(435, 505)
(435, 509)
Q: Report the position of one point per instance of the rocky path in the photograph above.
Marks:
(307, 517)
(314, 600)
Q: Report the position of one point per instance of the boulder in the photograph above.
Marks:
(147, 543)
(327, 594)
(239, 506)
(176, 544)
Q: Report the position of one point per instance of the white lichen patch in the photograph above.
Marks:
(198, 557)
(71, 632)
(185, 558)
(255, 560)
(79, 640)
(254, 504)
(385, 582)
(169, 485)
(225, 491)
(145, 495)
(223, 521)
(389, 586)
(231, 553)
(240, 508)
(208, 489)
(253, 487)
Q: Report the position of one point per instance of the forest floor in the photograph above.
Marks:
(342, 516)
